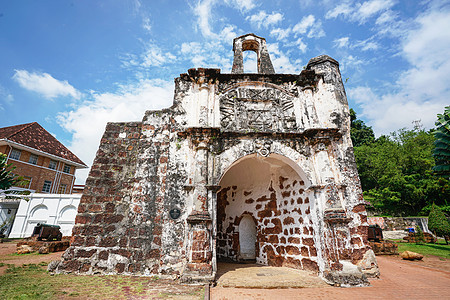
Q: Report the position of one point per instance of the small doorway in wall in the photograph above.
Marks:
(247, 238)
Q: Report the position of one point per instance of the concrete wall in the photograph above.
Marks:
(53, 209)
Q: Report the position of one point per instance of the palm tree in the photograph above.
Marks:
(441, 151)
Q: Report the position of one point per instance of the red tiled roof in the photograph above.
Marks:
(35, 136)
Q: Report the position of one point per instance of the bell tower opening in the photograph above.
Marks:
(254, 43)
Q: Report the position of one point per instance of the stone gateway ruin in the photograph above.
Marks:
(242, 167)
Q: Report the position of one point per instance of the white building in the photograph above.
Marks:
(53, 209)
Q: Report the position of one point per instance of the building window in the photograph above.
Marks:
(47, 186)
(52, 164)
(66, 168)
(15, 154)
(33, 159)
(62, 189)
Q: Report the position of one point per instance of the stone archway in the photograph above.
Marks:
(268, 191)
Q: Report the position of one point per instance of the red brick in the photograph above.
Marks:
(81, 208)
(292, 250)
(85, 253)
(310, 265)
(359, 208)
(108, 242)
(77, 241)
(273, 239)
(120, 267)
(94, 208)
(199, 235)
(308, 241)
(90, 241)
(110, 219)
(198, 256)
(288, 220)
(85, 267)
(294, 240)
(199, 245)
(109, 207)
(123, 242)
(91, 230)
(83, 219)
(103, 255)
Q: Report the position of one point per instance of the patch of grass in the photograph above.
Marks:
(32, 281)
(439, 249)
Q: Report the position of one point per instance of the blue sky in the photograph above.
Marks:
(74, 65)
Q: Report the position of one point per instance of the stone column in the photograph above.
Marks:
(200, 249)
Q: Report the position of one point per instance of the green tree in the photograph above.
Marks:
(438, 223)
(9, 180)
(360, 133)
(441, 150)
(396, 172)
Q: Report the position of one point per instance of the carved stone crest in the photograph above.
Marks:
(257, 109)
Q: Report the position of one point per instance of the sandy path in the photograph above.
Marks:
(399, 280)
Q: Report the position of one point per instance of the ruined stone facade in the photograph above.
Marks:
(241, 167)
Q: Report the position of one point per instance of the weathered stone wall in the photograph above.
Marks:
(167, 195)
(119, 226)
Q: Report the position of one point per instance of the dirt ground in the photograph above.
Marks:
(429, 279)
(9, 248)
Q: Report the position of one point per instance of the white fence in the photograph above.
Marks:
(54, 209)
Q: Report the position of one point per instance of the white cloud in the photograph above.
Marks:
(146, 24)
(370, 8)
(280, 33)
(250, 64)
(154, 56)
(341, 42)
(203, 12)
(242, 5)
(281, 61)
(422, 90)
(6, 97)
(342, 9)
(365, 45)
(87, 121)
(310, 26)
(262, 19)
(360, 12)
(301, 45)
(45, 84)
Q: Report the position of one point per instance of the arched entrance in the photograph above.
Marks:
(270, 195)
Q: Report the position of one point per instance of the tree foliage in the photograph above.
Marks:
(441, 150)
(396, 173)
(361, 134)
(438, 223)
(9, 180)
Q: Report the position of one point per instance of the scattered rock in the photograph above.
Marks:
(350, 276)
(409, 255)
(369, 265)
(53, 265)
(44, 250)
(22, 249)
(384, 248)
